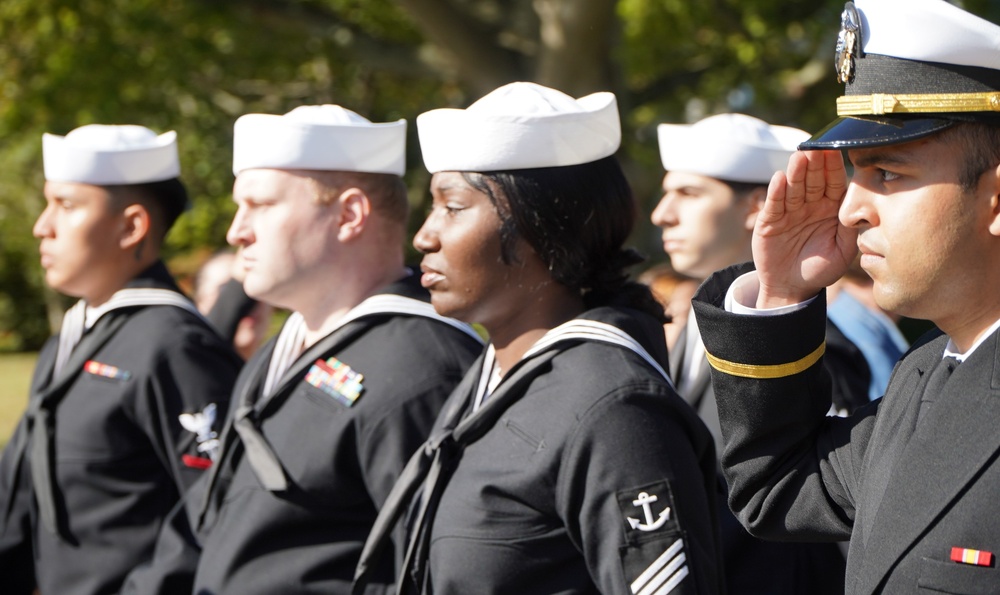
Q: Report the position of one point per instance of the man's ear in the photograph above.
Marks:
(354, 209)
(137, 225)
(754, 201)
(991, 183)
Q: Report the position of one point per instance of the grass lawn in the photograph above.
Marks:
(15, 376)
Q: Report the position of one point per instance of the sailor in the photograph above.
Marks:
(912, 478)
(126, 401)
(564, 462)
(327, 413)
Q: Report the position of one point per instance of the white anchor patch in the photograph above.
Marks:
(201, 425)
(645, 501)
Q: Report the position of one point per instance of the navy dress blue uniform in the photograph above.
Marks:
(120, 457)
(339, 460)
(756, 566)
(586, 474)
(910, 478)
(796, 474)
(843, 361)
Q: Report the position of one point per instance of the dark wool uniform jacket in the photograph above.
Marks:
(569, 491)
(755, 566)
(121, 456)
(340, 462)
(905, 494)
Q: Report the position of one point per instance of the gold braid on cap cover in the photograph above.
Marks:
(769, 371)
(928, 103)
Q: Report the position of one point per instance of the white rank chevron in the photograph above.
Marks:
(664, 574)
(576, 329)
(82, 317)
(291, 341)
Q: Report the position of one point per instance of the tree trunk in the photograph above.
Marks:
(575, 53)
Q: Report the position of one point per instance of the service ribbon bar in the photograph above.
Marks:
(336, 379)
(974, 557)
(105, 370)
(932, 103)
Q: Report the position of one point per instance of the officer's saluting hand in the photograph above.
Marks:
(799, 245)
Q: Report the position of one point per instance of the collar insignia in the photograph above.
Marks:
(848, 43)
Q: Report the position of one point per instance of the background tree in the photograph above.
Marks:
(194, 66)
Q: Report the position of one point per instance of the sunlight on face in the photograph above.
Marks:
(79, 233)
(704, 224)
(916, 225)
(285, 236)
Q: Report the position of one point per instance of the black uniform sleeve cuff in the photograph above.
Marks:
(757, 346)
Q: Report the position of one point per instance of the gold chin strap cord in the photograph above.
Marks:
(918, 103)
(767, 372)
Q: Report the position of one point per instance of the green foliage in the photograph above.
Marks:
(182, 65)
(194, 66)
(685, 60)
(381, 19)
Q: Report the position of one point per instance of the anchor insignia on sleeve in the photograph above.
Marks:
(645, 501)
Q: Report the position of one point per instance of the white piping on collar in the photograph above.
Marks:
(576, 329)
(291, 341)
(81, 318)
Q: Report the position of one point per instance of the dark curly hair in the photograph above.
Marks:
(577, 219)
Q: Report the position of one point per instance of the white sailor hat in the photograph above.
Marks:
(319, 137)
(911, 68)
(730, 147)
(107, 155)
(520, 126)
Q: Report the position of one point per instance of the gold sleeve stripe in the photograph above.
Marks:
(771, 371)
(917, 103)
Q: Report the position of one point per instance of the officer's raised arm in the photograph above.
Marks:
(910, 478)
(799, 245)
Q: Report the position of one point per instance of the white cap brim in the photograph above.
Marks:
(68, 161)
(278, 142)
(725, 153)
(471, 140)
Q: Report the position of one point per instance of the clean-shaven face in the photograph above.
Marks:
(462, 265)
(79, 232)
(918, 228)
(705, 226)
(285, 235)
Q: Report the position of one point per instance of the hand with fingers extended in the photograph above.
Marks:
(799, 245)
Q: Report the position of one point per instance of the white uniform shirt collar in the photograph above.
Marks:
(951, 350)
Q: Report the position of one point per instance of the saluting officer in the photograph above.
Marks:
(911, 479)
(121, 415)
(717, 171)
(327, 413)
